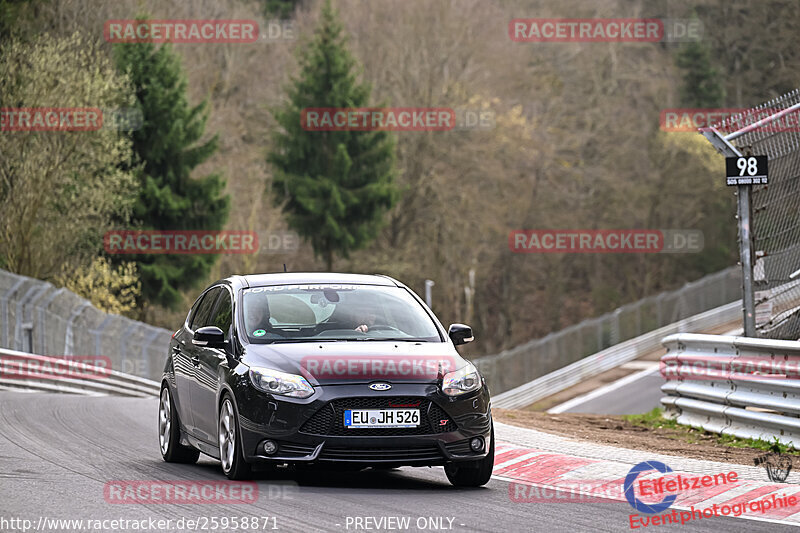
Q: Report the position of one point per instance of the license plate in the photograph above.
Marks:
(381, 418)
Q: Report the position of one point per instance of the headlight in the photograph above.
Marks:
(281, 383)
(461, 381)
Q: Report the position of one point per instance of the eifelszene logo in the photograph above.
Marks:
(630, 495)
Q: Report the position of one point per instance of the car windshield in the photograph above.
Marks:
(334, 312)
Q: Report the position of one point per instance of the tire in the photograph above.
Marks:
(230, 452)
(472, 473)
(169, 432)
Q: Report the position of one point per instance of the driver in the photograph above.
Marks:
(257, 317)
(366, 320)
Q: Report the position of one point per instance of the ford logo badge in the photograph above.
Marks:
(380, 386)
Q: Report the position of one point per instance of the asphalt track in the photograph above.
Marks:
(58, 451)
(634, 394)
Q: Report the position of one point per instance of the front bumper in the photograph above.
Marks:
(312, 431)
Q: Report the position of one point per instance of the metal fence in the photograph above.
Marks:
(21, 370)
(737, 386)
(524, 363)
(612, 357)
(771, 129)
(37, 317)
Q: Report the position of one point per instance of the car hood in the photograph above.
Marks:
(343, 362)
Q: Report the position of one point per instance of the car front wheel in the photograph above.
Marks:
(472, 473)
(230, 452)
(169, 433)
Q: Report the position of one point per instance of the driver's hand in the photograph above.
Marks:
(363, 328)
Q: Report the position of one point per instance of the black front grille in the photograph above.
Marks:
(329, 420)
(321, 422)
(411, 454)
(437, 416)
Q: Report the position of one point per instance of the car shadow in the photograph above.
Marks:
(373, 479)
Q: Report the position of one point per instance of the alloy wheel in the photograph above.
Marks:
(227, 435)
(164, 420)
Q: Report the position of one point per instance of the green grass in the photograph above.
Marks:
(655, 420)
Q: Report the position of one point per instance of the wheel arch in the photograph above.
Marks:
(226, 392)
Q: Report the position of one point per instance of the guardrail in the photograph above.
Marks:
(537, 358)
(611, 358)
(739, 386)
(21, 370)
(37, 317)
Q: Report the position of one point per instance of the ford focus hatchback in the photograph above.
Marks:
(323, 369)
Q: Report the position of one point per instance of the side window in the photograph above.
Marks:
(193, 312)
(222, 315)
(203, 315)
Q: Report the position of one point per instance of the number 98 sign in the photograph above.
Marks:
(746, 170)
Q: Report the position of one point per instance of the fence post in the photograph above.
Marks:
(124, 340)
(19, 339)
(6, 342)
(98, 332)
(615, 327)
(42, 308)
(69, 336)
(428, 297)
(722, 144)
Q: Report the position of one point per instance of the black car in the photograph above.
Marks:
(323, 369)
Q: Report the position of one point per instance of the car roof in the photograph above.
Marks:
(299, 278)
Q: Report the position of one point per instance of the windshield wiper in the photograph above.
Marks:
(388, 339)
(393, 339)
(284, 341)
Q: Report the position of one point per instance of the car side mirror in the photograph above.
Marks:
(209, 336)
(460, 334)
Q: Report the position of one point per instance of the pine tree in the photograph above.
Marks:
(702, 86)
(336, 185)
(168, 149)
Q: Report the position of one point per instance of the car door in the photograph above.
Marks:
(207, 370)
(182, 363)
(186, 357)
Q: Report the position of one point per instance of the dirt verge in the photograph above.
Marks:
(616, 431)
